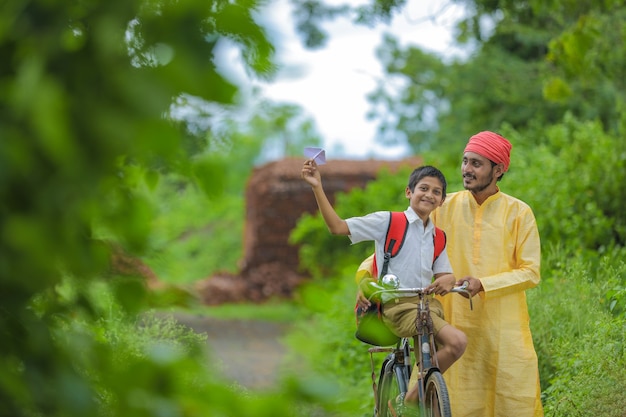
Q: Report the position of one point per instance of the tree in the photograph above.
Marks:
(85, 87)
(531, 63)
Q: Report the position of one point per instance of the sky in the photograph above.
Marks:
(331, 84)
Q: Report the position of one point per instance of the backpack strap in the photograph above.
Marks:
(396, 232)
(398, 226)
(439, 240)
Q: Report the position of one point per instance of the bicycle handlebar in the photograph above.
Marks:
(381, 289)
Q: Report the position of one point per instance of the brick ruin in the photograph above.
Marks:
(275, 198)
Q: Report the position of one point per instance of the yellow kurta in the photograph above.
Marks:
(498, 243)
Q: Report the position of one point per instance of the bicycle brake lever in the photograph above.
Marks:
(469, 296)
(463, 289)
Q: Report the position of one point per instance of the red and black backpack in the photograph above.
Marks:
(370, 326)
(396, 232)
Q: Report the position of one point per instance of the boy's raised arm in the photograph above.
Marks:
(310, 174)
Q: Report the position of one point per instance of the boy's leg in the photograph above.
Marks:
(451, 345)
(451, 342)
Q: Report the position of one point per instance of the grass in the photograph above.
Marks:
(276, 311)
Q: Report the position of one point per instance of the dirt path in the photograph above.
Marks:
(247, 352)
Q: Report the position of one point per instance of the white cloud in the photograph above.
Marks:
(331, 84)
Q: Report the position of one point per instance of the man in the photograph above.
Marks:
(493, 242)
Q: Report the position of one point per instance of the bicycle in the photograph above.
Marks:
(395, 372)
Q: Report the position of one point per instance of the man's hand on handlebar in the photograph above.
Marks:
(474, 285)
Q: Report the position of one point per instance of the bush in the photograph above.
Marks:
(327, 344)
(580, 343)
(589, 372)
(573, 182)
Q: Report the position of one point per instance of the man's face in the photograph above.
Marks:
(478, 172)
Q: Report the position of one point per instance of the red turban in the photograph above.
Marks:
(492, 146)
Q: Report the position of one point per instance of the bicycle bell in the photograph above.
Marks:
(390, 281)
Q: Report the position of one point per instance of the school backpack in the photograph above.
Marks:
(370, 326)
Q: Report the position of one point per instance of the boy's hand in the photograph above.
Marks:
(362, 300)
(364, 292)
(442, 285)
(310, 173)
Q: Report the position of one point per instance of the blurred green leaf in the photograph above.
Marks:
(210, 175)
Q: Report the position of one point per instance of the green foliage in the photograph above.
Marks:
(590, 380)
(441, 101)
(588, 56)
(319, 254)
(573, 182)
(616, 299)
(86, 92)
(399, 122)
(580, 344)
(310, 15)
(337, 356)
(144, 365)
(181, 246)
(530, 64)
(70, 132)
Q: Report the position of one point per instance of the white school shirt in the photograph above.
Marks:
(413, 264)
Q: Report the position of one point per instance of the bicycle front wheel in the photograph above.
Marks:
(390, 387)
(436, 399)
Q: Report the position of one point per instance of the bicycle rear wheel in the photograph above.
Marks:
(390, 386)
(436, 399)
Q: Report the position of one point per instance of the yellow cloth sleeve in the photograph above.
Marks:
(365, 270)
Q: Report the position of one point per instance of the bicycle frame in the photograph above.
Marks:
(426, 338)
(398, 362)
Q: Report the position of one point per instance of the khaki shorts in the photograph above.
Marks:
(399, 315)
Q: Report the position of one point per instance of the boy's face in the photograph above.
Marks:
(427, 196)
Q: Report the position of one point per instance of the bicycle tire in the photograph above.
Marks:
(436, 398)
(391, 385)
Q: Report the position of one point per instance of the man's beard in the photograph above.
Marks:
(480, 186)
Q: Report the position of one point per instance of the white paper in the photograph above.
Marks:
(317, 154)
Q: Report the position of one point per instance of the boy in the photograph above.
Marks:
(413, 265)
